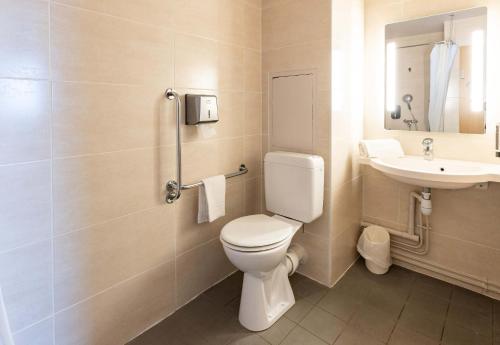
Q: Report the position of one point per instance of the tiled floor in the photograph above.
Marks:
(399, 308)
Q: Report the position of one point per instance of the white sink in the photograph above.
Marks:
(436, 173)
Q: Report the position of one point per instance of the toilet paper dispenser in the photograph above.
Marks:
(201, 109)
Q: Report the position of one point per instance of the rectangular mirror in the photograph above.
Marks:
(435, 73)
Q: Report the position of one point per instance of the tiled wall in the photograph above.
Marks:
(89, 251)
(296, 36)
(347, 130)
(464, 238)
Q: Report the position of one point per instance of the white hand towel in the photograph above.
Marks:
(379, 148)
(212, 199)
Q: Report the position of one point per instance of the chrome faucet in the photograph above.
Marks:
(428, 152)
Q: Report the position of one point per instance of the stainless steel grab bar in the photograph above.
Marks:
(174, 187)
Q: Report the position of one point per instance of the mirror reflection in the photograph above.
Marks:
(435, 73)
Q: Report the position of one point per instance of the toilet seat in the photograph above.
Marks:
(258, 232)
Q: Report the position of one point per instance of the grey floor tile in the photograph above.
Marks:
(457, 335)
(386, 300)
(323, 324)
(250, 339)
(471, 300)
(428, 302)
(420, 321)
(304, 288)
(299, 336)
(299, 310)
(352, 336)
(341, 302)
(374, 322)
(432, 286)
(471, 319)
(405, 336)
(227, 290)
(157, 336)
(277, 332)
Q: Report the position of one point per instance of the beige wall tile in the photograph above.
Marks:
(93, 189)
(196, 18)
(232, 153)
(87, 46)
(256, 3)
(24, 38)
(295, 22)
(253, 113)
(96, 118)
(317, 265)
(231, 24)
(253, 196)
(252, 29)
(126, 309)
(25, 202)
(40, 334)
(344, 252)
(252, 70)
(232, 109)
(196, 63)
(230, 67)
(200, 268)
(27, 285)
(151, 12)
(307, 56)
(93, 259)
(346, 210)
(25, 119)
(380, 197)
(469, 214)
(253, 156)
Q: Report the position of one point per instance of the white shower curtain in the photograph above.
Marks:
(5, 332)
(442, 59)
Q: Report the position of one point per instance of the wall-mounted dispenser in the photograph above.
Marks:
(201, 109)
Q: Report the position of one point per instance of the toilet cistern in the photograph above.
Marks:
(428, 151)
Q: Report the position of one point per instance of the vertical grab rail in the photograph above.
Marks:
(174, 186)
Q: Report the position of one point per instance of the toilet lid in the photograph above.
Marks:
(256, 231)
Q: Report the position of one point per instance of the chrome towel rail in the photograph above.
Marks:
(174, 187)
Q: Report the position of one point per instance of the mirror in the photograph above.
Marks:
(435, 73)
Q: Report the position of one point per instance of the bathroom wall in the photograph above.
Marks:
(464, 238)
(347, 130)
(322, 37)
(89, 251)
(296, 37)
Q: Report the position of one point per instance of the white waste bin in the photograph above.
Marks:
(375, 246)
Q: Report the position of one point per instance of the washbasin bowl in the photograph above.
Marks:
(436, 173)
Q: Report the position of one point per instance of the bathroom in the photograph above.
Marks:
(97, 247)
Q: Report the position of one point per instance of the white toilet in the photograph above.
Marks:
(259, 244)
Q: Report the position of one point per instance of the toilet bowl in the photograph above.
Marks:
(257, 245)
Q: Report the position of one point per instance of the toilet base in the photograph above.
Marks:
(265, 297)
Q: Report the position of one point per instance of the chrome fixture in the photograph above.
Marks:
(174, 187)
(408, 98)
(428, 152)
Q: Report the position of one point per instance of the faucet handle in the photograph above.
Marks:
(427, 142)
